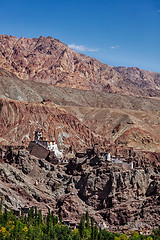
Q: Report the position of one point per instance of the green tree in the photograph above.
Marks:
(100, 237)
(92, 228)
(60, 217)
(82, 226)
(39, 217)
(49, 222)
(1, 205)
(87, 220)
(5, 215)
(96, 232)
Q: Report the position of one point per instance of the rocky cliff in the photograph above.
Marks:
(112, 193)
(124, 120)
(19, 121)
(49, 60)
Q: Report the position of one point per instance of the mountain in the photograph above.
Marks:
(36, 70)
(89, 109)
(111, 117)
(50, 61)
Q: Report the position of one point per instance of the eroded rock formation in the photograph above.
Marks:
(109, 191)
(19, 121)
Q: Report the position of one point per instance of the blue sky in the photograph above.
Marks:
(116, 32)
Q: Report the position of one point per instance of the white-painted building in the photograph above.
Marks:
(131, 165)
(119, 160)
(52, 146)
(109, 157)
(48, 145)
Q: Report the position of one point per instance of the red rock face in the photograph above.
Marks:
(125, 120)
(49, 60)
(20, 120)
(135, 137)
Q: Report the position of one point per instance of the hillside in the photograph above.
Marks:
(20, 120)
(50, 61)
(111, 116)
(89, 109)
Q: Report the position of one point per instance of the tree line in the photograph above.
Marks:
(34, 226)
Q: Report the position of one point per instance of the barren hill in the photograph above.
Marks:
(50, 61)
(78, 101)
(113, 102)
(124, 120)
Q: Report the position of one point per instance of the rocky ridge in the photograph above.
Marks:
(49, 60)
(113, 194)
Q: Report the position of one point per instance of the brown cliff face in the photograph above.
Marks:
(124, 120)
(130, 128)
(122, 197)
(20, 120)
(49, 60)
(140, 81)
(111, 193)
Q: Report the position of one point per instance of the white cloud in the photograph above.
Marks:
(81, 48)
(113, 47)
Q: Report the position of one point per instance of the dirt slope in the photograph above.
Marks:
(124, 120)
(130, 128)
